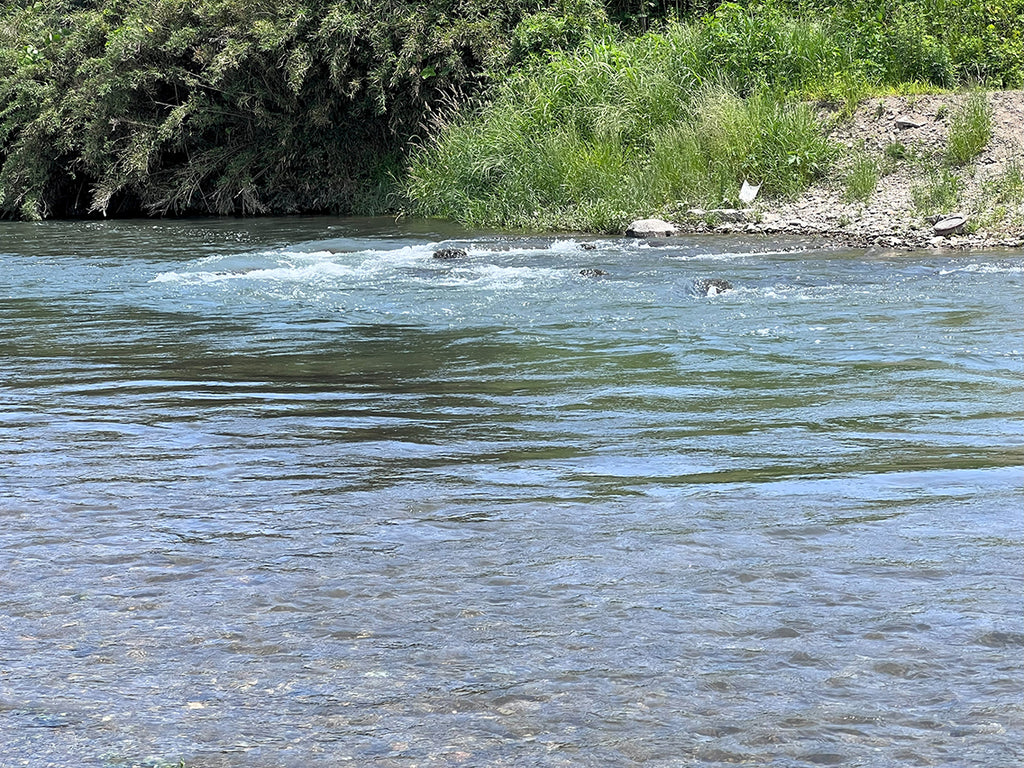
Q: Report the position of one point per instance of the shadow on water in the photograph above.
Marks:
(179, 239)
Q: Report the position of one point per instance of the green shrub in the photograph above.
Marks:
(233, 106)
(562, 29)
(756, 45)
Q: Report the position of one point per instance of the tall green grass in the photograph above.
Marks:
(938, 192)
(861, 177)
(613, 131)
(970, 129)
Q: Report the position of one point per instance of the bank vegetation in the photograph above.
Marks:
(522, 113)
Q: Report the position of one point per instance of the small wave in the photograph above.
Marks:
(496, 276)
(573, 247)
(734, 255)
(790, 292)
(411, 263)
(303, 274)
(986, 268)
(295, 266)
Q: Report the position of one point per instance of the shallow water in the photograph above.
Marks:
(291, 492)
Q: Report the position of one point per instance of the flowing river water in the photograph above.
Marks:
(291, 492)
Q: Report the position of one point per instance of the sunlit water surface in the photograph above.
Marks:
(289, 493)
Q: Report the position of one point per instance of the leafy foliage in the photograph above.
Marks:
(176, 106)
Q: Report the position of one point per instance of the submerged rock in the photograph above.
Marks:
(592, 272)
(450, 253)
(711, 286)
(650, 228)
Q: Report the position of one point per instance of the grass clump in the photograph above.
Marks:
(896, 151)
(970, 129)
(704, 158)
(939, 193)
(861, 178)
(1004, 196)
(1008, 186)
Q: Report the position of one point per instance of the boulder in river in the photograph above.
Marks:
(450, 253)
(711, 286)
(592, 272)
(650, 228)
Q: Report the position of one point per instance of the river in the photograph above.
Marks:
(291, 492)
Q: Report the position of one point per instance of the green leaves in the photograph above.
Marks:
(610, 132)
(228, 106)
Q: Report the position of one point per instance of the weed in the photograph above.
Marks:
(938, 193)
(970, 129)
(613, 131)
(1003, 195)
(861, 178)
(1008, 187)
(897, 151)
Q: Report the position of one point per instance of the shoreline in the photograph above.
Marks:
(899, 239)
(904, 139)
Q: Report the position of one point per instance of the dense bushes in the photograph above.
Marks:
(233, 106)
(253, 106)
(944, 42)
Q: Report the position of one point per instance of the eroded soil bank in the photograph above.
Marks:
(907, 138)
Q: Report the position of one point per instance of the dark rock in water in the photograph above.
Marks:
(711, 286)
(591, 272)
(450, 253)
(588, 247)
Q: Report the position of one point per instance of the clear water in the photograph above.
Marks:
(293, 493)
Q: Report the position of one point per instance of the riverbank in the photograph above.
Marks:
(904, 138)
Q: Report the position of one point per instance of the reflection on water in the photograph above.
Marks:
(292, 492)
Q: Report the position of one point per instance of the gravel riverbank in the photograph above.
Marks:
(906, 138)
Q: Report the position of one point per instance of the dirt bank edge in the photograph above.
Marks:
(916, 129)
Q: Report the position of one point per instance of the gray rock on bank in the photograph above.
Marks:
(650, 228)
(949, 225)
